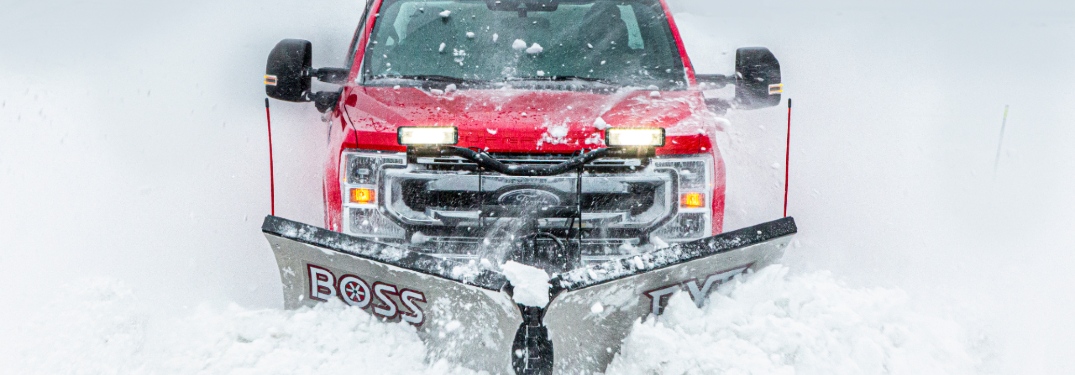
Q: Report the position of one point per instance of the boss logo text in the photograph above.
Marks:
(385, 300)
(699, 292)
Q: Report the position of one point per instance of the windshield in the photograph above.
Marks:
(474, 42)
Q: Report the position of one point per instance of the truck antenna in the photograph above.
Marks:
(272, 173)
(787, 159)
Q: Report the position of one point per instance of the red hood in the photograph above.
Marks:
(529, 120)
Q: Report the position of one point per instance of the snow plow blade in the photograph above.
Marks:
(461, 316)
(466, 315)
(595, 307)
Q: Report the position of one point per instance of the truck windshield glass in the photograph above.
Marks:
(621, 43)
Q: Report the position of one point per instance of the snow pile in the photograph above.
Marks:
(102, 329)
(765, 323)
(773, 323)
(530, 284)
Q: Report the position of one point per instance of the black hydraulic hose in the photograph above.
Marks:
(489, 162)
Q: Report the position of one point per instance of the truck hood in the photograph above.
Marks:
(512, 120)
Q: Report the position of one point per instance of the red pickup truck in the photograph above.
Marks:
(526, 83)
(554, 133)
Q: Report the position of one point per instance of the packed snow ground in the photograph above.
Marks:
(101, 328)
(781, 324)
(766, 323)
(132, 148)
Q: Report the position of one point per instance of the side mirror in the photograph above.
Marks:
(287, 73)
(757, 78)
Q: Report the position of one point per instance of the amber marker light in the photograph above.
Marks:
(692, 200)
(363, 195)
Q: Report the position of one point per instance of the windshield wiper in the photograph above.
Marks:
(470, 82)
(568, 78)
(427, 78)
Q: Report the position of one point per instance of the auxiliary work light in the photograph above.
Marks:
(634, 137)
(427, 136)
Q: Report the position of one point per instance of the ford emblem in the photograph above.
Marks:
(528, 197)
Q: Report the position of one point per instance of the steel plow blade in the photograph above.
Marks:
(462, 315)
(596, 306)
(466, 315)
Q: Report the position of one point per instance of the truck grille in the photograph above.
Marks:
(419, 195)
(449, 198)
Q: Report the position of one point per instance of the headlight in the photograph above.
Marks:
(427, 136)
(360, 180)
(695, 217)
(634, 137)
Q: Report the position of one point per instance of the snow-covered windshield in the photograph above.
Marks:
(476, 42)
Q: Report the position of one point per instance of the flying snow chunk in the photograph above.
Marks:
(418, 238)
(497, 36)
(531, 285)
(534, 49)
(600, 124)
(470, 34)
(441, 49)
(558, 131)
(658, 242)
(446, 13)
(518, 44)
(452, 326)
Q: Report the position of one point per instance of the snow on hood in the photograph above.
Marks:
(533, 119)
